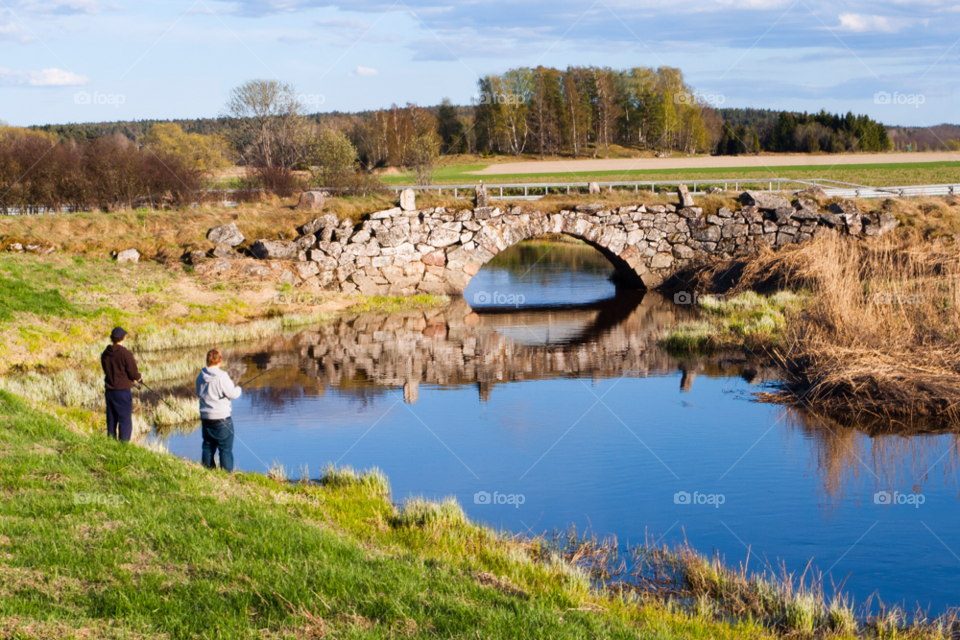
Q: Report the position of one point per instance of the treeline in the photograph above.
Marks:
(755, 130)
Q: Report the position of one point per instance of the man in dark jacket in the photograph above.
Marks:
(120, 374)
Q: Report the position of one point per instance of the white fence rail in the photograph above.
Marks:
(537, 190)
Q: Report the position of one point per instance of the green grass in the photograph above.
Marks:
(748, 321)
(893, 174)
(98, 539)
(395, 304)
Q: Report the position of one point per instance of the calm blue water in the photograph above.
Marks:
(576, 410)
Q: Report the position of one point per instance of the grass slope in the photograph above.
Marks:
(103, 540)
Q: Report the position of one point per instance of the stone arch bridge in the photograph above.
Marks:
(405, 251)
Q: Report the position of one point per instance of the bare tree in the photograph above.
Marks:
(271, 129)
(423, 151)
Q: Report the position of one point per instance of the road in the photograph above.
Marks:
(711, 162)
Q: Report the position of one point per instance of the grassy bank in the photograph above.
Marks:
(56, 311)
(747, 321)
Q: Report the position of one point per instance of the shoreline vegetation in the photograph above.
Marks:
(100, 540)
(860, 329)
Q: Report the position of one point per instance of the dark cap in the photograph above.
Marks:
(118, 334)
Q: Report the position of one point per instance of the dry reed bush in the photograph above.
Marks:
(879, 336)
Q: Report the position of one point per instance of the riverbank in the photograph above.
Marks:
(864, 328)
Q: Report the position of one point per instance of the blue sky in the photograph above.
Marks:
(91, 60)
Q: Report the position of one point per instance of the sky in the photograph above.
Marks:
(67, 61)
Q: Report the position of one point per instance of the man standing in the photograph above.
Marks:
(120, 374)
(215, 390)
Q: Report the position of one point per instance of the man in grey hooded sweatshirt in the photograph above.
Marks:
(215, 390)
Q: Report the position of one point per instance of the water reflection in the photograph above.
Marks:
(460, 346)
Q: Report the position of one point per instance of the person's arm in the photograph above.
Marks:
(229, 389)
(131, 365)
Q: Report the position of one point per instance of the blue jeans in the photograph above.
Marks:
(217, 434)
(119, 413)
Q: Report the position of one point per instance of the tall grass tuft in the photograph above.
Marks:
(173, 411)
(373, 479)
(420, 512)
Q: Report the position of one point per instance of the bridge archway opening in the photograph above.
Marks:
(549, 270)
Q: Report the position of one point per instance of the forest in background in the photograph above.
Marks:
(579, 112)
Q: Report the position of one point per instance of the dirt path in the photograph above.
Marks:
(712, 162)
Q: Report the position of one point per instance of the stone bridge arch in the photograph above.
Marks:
(438, 251)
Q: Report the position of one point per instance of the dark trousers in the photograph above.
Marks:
(217, 434)
(119, 413)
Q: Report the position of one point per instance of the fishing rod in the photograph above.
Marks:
(256, 376)
(149, 388)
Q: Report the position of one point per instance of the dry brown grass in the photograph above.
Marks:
(879, 337)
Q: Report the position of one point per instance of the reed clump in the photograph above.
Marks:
(878, 334)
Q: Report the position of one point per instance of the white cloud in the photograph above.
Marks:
(46, 78)
(14, 32)
(364, 71)
(55, 78)
(858, 23)
(66, 7)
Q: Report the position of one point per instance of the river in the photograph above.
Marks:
(542, 401)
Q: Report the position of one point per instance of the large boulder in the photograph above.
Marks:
(593, 188)
(274, 250)
(129, 255)
(226, 234)
(764, 201)
(686, 200)
(408, 200)
(311, 201)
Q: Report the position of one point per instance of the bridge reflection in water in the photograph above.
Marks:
(459, 345)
